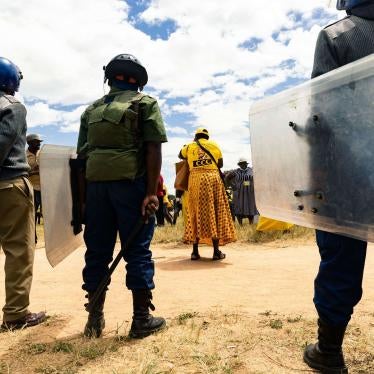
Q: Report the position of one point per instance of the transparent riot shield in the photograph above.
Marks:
(313, 152)
(60, 240)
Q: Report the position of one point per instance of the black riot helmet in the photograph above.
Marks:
(350, 4)
(126, 65)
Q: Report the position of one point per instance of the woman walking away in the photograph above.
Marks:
(209, 218)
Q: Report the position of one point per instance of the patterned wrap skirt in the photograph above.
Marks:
(209, 215)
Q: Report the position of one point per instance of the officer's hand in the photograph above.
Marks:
(149, 206)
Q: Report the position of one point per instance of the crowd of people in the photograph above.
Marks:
(124, 129)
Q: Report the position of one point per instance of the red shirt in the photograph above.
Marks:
(160, 187)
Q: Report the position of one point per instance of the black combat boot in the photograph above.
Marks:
(326, 355)
(143, 323)
(195, 252)
(96, 322)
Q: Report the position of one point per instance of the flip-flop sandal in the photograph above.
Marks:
(219, 256)
(195, 257)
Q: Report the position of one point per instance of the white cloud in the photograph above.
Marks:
(177, 130)
(41, 114)
(61, 46)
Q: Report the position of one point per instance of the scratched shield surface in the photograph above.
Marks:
(313, 152)
(60, 240)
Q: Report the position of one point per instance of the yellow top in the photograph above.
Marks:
(197, 158)
(166, 197)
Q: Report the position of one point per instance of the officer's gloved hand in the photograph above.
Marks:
(149, 206)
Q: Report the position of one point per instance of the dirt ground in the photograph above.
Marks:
(254, 280)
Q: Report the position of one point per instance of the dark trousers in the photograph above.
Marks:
(338, 285)
(37, 201)
(37, 205)
(240, 219)
(160, 212)
(113, 207)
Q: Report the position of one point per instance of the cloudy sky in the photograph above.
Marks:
(207, 61)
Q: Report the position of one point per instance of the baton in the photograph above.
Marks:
(105, 281)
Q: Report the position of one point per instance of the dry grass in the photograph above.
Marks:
(217, 342)
(246, 234)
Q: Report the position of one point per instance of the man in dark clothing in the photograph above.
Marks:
(17, 225)
(338, 285)
(160, 196)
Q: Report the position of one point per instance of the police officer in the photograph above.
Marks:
(34, 141)
(17, 225)
(121, 136)
(338, 285)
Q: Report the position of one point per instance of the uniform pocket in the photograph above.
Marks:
(5, 186)
(111, 164)
(115, 112)
(24, 187)
(96, 115)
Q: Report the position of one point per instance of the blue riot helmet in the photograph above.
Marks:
(350, 4)
(10, 76)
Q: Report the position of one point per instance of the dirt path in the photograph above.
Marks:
(252, 280)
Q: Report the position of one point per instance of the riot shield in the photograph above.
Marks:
(60, 240)
(313, 152)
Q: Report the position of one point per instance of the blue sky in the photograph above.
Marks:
(207, 61)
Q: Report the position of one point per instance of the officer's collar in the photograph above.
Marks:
(364, 11)
(115, 90)
(124, 86)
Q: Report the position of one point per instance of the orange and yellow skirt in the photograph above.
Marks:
(209, 214)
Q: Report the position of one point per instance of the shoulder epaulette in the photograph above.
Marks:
(138, 97)
(94, 104)
(339, 27)
(11, 99)
(7, 100)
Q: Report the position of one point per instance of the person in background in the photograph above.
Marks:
(181, 202)
(32, 153)
(241, 181)
(180, 205)
(17, 223)
(160, 196)
(230, 196)
(209, 218)
(167, 206)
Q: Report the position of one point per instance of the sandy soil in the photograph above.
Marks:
(252, 279)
